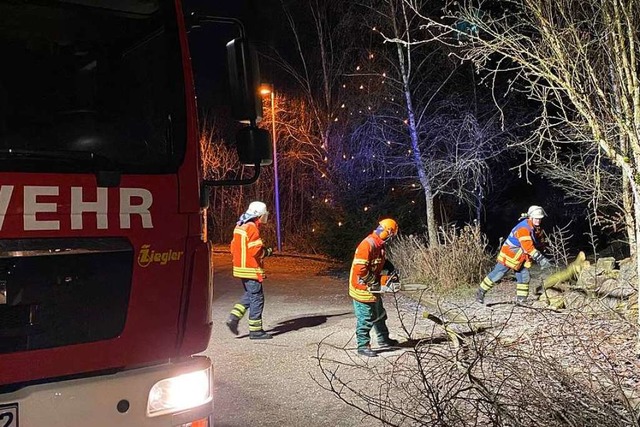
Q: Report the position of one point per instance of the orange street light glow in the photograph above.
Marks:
(265, 89)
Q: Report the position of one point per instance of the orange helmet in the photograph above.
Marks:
(387, 228)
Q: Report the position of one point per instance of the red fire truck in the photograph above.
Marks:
(105, 277)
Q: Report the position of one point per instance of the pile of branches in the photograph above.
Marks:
(604, 286)
(560, 369)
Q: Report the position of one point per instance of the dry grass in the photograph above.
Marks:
(460, 261)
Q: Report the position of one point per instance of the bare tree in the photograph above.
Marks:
(587, 179)
(218, 160)
(413, 130)
(301, 163)
(311, 65)
(322, 56)
(579, 59)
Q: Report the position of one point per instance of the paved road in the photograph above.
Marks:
(269, 383)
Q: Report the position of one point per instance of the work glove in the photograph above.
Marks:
(368, 278)
(544, 263)
(374, 287)
(267, 252)
(372, 282)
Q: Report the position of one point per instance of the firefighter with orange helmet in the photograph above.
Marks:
(521, 247)
(367, 268)
(248, 252)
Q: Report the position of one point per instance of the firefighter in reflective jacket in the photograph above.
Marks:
(521, 247)
(369, 263)
(248, 254)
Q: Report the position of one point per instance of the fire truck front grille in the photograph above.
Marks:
(56, 292)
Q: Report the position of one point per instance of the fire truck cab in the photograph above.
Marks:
(105, 277)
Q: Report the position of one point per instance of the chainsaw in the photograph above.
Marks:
(389, 283)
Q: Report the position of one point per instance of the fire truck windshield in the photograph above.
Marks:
(77, 76)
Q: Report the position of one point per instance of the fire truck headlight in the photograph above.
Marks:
(180, 393)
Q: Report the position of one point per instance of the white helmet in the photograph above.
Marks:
(256, 210)
(536, 212)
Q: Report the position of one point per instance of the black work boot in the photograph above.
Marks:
(480, 295)
(539, 288)
(259, 335)
(389, 342)
(522, 301)
(232, 324)
(366, 351)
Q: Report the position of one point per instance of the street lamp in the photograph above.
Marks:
(267, 89)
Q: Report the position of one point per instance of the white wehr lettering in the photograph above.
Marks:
(5, 196)
(79, 206)
(127, 208)
(32, 207)
(133, 201)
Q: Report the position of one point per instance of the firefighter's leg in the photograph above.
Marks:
(490, 280)
(238, 311)
(522, 285)
(255, 294)
(380, 325)
(364, 312)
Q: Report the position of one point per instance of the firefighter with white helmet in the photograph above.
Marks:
(367, 268)
(536, 212)
(520, 248)
(248, 252)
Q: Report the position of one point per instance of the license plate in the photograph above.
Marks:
(9, 415)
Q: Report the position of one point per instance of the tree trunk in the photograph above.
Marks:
(415, 147)
(636, 212)
(432, 228)
(629, 220)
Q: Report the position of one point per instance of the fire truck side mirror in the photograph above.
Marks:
(254, 149)
(254, 146)
(244, 79)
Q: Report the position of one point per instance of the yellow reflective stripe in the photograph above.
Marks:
(522, 289)
(360, 261)
(255, 324)
(534, 253)
(242, 235)
(255, 243)
(248, 269)
(239, 310)
(243, 258)
(361, 295)
(243, 245)
(523, 238)
(486, 284)
(511, 262)
(253, 276)
(515, 256)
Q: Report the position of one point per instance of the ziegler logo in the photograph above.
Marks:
(147, 256)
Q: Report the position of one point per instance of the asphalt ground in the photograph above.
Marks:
(274, 382)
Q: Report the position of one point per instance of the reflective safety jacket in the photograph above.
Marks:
(520, 246)
(248, 252)
(369, 259)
